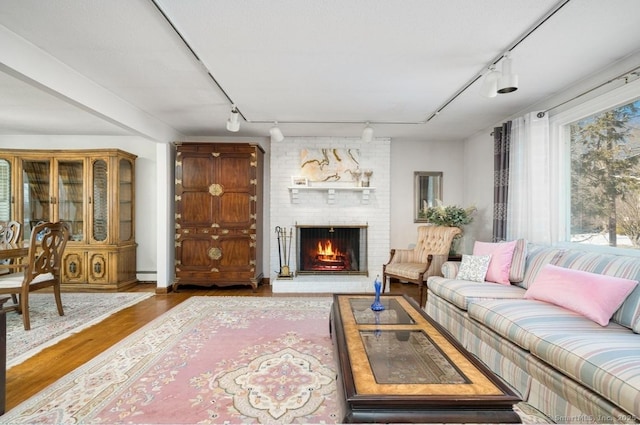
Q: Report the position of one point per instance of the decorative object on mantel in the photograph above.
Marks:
(284, 252)
(367, 178)
(450, 216)
(357, 175)
(299, 181)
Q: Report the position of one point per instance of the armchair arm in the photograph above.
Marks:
(402, 256)
(435, 268)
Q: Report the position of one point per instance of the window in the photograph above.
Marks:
(605, 177)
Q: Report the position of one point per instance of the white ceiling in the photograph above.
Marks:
(319, 68)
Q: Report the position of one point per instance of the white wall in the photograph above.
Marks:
(410, 156)
(478, 187)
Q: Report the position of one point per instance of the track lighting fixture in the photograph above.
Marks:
(276, 133)
(508, 81)
(490, 83)
(233, 123)
(367, 133)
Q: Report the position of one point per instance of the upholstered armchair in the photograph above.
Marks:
(426, 259)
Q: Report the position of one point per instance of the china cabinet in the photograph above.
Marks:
(90, 190)
(218, 196)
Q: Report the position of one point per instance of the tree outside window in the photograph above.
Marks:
(605, 178)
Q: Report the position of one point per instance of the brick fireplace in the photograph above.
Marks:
(336, 205)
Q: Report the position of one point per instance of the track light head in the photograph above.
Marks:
(367, 133)
(276, 133)
(508, 82)
(489, 86)
(233, 123)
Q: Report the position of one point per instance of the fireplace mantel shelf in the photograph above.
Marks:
(331, 192)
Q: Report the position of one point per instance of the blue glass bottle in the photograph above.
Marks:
(377, 305)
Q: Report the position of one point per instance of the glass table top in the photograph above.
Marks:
(408, 357)
(392, 314)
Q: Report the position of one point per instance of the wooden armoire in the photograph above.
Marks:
(219, 189)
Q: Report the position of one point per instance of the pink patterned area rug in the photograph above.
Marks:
(208, 360)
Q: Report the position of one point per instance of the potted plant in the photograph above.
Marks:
(451, 216)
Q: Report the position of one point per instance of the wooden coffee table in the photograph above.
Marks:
(399, 365)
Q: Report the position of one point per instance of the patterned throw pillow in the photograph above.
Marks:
(474, 267)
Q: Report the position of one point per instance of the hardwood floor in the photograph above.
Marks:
(41, 370)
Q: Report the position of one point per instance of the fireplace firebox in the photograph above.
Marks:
(331, 249)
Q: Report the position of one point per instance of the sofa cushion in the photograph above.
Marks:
(524, 321)
(518, 262)
(612, 265)
(461, 292)
(501, 256)
(538, 256)
(593, 295)
(607, 363)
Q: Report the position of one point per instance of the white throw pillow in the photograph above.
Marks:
(474, 267)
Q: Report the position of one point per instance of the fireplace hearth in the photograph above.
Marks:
(331, 249)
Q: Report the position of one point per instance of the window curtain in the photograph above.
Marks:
(533, 189)
(501, 142)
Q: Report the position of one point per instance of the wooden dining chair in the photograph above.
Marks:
(41, 268)
(10, 231)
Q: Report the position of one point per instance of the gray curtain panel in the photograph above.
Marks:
(501, 141)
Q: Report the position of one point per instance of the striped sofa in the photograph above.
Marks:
(568, 367)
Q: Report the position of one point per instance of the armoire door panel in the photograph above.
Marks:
(196, 209)
(193, 253)
(237, 253)
(236, 175)
(234, 210)
(196, 172)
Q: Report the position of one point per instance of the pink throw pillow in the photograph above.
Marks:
(501, 257)
(595, 296)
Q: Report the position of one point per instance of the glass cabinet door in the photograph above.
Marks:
(70, 196)
(5, 190)
(36, 180)
(100, 210)
(126, 200)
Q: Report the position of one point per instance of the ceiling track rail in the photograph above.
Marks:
(195, 55)
(497, 59)
(437, 112)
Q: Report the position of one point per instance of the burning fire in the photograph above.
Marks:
(326, 250)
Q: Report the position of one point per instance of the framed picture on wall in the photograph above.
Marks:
(427, 187)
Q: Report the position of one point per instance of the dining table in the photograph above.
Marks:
(14, 250)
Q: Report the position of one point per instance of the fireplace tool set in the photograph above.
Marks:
(284, 251)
